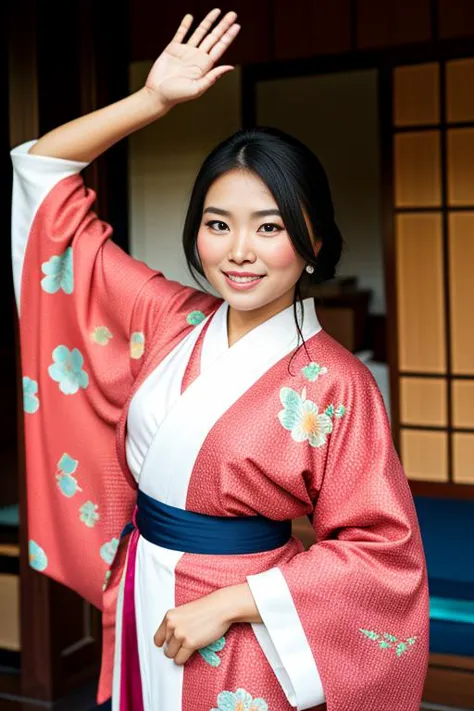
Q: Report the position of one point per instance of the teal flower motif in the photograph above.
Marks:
(389, 641)
(195, 317)
(109, 550)
(59, 273)
(137, 345)
(101, 335)
(312, 371)
(37, 556)
(303, 419)
(89, 514)
(67, 484)
(30, 400)
(239, 700)
(340, 411)
(67, 370)
(209, 653)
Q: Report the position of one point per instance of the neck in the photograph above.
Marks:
(239, 323)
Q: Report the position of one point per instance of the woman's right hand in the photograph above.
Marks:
(186, 71)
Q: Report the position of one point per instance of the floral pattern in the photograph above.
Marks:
(239, 700)
(137, 345)
(195, 317)
(89, 514)
(67, 484)
(67, 370)
(109, 550)
(101, 335)
(389, 641)
(30, 400)
(312, 371)
(37, 557)
(209, 653)
(303, 419)
(59, 273)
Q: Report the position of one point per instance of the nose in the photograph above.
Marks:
(242, 249)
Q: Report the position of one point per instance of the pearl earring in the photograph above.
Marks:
(310, 269)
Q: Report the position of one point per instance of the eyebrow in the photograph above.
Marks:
(258, 213)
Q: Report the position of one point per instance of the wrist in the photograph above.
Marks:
(237, 604)
(152, 102)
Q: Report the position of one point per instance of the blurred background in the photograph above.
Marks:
(382, 91)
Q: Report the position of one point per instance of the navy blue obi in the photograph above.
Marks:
(191, 532)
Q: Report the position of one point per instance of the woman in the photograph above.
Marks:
(231, 416)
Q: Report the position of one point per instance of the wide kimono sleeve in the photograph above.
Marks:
(78, 296)
(348, 620)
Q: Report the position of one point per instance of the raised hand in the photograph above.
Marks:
(185, 71)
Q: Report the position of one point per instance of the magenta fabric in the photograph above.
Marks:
(131, 698)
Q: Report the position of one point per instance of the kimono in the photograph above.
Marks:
(132, 393)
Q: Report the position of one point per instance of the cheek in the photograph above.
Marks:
(209, 249)
(281, 255)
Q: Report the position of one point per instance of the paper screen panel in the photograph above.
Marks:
(416, 95)
(417, 169)
(463, 458)
(423, 401)
(461, 285)
(463, 403)
(425, 455)
(421, 324)
(459, 90)
(461, 166)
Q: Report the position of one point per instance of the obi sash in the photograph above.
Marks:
(189, 532)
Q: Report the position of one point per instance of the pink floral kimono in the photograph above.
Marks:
(138, 412)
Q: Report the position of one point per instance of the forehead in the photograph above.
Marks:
(240, 188)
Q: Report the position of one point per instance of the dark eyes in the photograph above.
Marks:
(267, 227)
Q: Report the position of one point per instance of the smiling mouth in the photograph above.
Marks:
(238, 279)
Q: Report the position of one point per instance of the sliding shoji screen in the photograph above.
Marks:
(433, 163)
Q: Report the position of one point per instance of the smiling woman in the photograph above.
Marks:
(177, 434)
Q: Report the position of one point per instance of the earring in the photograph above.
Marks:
(310, 269)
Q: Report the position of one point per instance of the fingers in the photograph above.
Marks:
(183, 655)
(160, 634)
(220, 47)
(183, 29)
(202, 85)
(172, 647)
(201, 31)
(218, 32)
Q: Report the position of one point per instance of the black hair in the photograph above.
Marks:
(297, 181)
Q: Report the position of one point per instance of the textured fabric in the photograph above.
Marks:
(87, 313)
(308, 436)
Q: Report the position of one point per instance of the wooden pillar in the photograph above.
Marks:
(63, 60)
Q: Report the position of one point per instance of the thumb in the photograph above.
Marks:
(211, 77)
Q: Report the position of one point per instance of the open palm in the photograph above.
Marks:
(186, 71)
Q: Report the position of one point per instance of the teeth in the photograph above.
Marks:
(243, 279)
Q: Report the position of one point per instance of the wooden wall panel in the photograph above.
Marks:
(425, 455)
(461, 259)
(423, 401)
(421, 336)
(383, 23)
(292, 35)
(306, 28)
(456, 18)
(255, 41)
(416, 99)
(152, 26)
